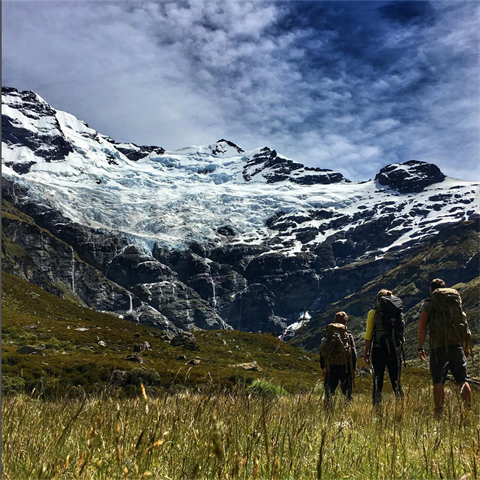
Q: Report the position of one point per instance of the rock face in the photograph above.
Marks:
(48, 141)
(185, 340)
(209, 236)
(276, 168)
(409, 177)
(453, 255)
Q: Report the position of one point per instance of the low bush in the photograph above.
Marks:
(261, 387)
(12, 385)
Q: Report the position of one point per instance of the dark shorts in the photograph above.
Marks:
(443, 359)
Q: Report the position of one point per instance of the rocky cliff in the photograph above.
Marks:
(207, 236)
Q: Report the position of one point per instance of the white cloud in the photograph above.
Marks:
(177, 74)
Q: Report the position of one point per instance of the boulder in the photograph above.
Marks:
(185, 340)
(27, 350)
(135, 358)
(251, 366)
(194, 361)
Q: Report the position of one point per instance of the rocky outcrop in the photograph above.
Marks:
(185, 340)
(274, 168)
(409, 177)
(47, 141)
(134, 152)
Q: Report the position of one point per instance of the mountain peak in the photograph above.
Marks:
(409, 177)
(221, 148)
(222, 142)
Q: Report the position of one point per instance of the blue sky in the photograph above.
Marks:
(350, 86)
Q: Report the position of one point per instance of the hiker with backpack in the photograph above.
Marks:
(450, 340)
(338, 357)
(384, 336)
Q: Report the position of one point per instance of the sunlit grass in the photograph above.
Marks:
(233, 435)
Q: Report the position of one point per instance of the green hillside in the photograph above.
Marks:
(70, 358)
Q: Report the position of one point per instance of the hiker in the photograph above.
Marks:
(338, 357)
(450, 340)
(385, 328)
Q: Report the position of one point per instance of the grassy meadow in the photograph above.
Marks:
(239, 435)
(65, 417)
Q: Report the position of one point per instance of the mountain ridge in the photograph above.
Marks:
(209, 236)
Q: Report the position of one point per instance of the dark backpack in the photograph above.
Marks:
(389, 323)
(448, 322)
(336, 349)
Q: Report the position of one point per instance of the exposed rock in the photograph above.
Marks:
(134, 152)
(185, 340)
(274, 168)
(135, 358)
(132, 267)
(141, 347)
(410, 177)
(181, 357)
(194, 361)
(227, 231)
(252, 366)
(26, 350)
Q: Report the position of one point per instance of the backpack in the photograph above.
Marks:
(448, 322)
(336, 349)
(389, 323)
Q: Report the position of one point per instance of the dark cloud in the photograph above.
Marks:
(344, 85)
(408, 12)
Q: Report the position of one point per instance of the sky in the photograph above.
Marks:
(350, 86)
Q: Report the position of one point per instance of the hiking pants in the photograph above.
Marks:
(335, 375)
(382, 358)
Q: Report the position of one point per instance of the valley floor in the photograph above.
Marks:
(239, 436)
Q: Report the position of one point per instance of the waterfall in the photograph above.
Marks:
(114, 257)
(214, 293)
(130, 310)
(73, 270)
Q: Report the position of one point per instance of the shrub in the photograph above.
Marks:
(12, 385)
(147, 376)
(264, 387)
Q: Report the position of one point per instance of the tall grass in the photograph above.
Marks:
(238, 436)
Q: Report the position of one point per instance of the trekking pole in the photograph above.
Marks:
(404, 358)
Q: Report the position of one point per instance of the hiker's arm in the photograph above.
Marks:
(421, 334)
(322, 361)
(368, 334)
(354, 353)
(467, 344)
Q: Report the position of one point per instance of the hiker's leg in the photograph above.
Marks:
(334, 379)
(438, 368)
(331, 382)
(394, 372)
(378, 365)
(326, 388)
(466, 394)
(347, 385)
(458, 367)
(438, 396)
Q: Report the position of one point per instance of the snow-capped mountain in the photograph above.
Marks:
(253, 235)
